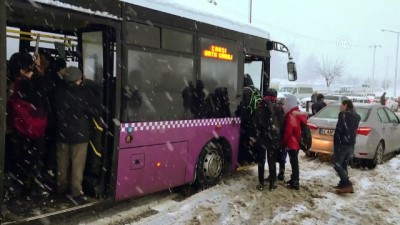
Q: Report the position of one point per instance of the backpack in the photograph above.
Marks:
(306, 138)
(270, 119)
(255, 100)
(26, 119)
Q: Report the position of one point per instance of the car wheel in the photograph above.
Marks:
(210, 165)
(378, 158)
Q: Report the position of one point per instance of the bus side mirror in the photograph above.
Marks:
(292, 72)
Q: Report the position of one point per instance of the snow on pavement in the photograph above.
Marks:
(236, 200)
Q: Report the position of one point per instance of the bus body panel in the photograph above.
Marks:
(162, 142)
(149, 169)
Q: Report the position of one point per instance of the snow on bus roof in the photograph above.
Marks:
(76, 8)
(204, 12)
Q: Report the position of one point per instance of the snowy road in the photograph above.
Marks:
(236, 200)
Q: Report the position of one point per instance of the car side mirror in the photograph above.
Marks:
(292, 72)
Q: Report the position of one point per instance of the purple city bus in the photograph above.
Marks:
(169, 79)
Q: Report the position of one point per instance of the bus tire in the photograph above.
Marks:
(210, 165)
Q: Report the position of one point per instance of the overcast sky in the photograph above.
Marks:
(339, 28)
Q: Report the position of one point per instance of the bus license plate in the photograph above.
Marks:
(329, 132)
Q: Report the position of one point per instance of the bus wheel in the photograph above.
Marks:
(209, 165)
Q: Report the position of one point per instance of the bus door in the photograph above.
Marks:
(255, 67)
(97, 62)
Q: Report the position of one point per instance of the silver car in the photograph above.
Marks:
(329, 99)
(378, 133)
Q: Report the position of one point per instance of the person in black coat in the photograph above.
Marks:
(248, 132)
(383, 98)
(75, 107)
(343, 144)
(320, 104)
(270, 120)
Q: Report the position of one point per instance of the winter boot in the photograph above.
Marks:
(339, 185)
(293, 185)
(272, 185)
(260, 187)
(346, 189)
(281, 176)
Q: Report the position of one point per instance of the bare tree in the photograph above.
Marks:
(330, 69)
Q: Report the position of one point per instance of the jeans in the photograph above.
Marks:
(294, 162)
(342, 155)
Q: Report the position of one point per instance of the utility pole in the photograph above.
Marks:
(250, 9)
(373, 66)
(387, 71)
(397, 60)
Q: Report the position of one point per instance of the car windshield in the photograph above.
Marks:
(332, 112)
(286, 89)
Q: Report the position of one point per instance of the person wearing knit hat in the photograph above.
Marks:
(291, 137)
(73, 74)
(289, 103)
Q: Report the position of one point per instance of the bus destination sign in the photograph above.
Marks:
(218, 52)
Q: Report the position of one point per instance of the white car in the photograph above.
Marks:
(392, 104)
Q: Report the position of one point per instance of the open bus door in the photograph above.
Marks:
(97, 49)
(257, 67)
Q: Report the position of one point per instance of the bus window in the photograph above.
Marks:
(254, 69)
(219, 69)
(92, 50)
(177, 41)
(152, 89)
(142, 34)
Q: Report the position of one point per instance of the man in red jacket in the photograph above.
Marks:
(291, 137)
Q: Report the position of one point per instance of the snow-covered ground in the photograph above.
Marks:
(236, 200)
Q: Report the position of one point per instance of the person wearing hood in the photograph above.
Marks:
(269, 124)
(291, 137)
(247, 126)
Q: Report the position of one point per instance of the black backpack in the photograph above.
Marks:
(270, 117)
(306, 138)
